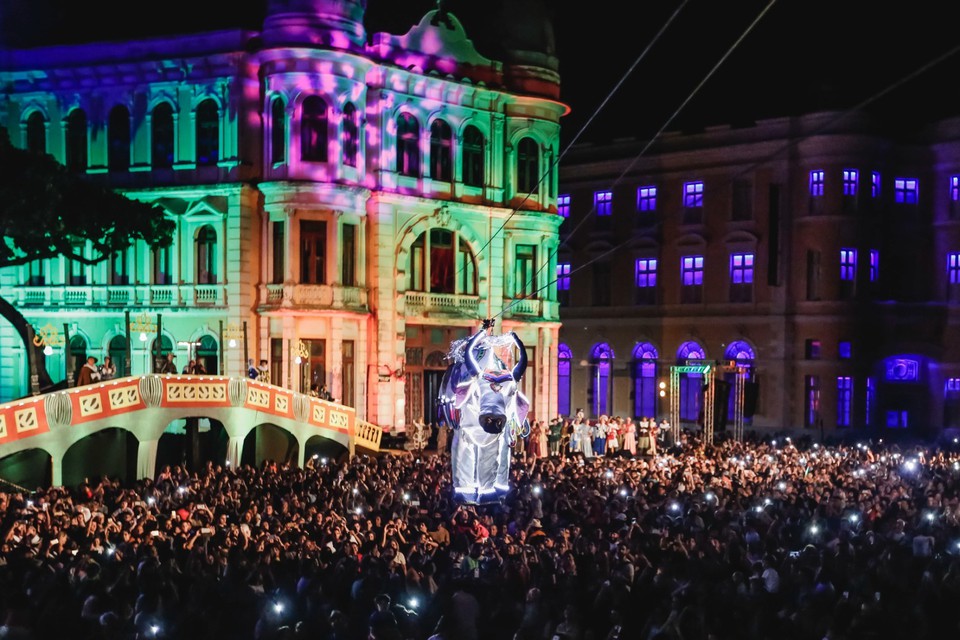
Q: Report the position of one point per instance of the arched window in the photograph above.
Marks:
(313, 130)
(278, 131)
(645, 380)
(408, 146)
(351, 135)
(36, 133)
(78, 354)
(741, 354)
(208, 354)
(118, 353)
(448, 260)
(441, 151)
(160, 351)
(206, 255)
(601, 357)
(691, 384)
(76, 135)
(208, 133)
(473, 155)
(564, 364)
(161, 136)
(118, 139)
(528, 166)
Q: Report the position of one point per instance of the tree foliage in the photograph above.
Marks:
(46, 211)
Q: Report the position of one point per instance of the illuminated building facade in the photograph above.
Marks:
(821, 253)
(355, 204)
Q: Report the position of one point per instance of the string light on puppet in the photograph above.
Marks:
(480, 398)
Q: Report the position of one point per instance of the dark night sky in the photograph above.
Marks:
(802, 56)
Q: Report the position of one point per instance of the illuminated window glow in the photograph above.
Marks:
(844, 400)
(603, 202)
(875, 184)
(741, 268)
(953, 268)
(906, 190)
(848, 264)
(816, 183)
(874, 265)
(647, 199)
(646, 272)
(851, 179)
(691, 271)
(693, 194)
(563, 205)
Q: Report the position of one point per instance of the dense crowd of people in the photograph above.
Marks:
(740, 540)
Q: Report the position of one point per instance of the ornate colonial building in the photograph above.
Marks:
(820, 253)
(353, 203)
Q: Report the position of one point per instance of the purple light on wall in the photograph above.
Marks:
(844, 349)
(875, 184)
(844, 400)
(902, 369)
(874, 265)
(816, 183)
(564, 364)
(955, 188)
(602, 356)
(953, 268)
(740, 352)
(645, 380)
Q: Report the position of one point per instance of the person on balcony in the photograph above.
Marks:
(169, 366)
(88, 373)
(108, 370)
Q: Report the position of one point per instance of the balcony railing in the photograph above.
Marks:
(314, 296)
(523, 307)
(450, 303)
(120, 295)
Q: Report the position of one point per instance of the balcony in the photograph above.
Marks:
(421, 302)
(120, 296)
(314, 296)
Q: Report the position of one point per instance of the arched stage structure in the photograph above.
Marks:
(144, 406)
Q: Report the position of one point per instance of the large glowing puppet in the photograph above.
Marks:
(480, 398)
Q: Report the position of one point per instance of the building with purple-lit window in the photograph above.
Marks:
(354, 202)
(777, 270)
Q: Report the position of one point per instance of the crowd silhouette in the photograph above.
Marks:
(740, 540)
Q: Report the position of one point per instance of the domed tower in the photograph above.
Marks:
(530, 60)
(335, 24)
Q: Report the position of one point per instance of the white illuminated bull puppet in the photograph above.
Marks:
(481, 400)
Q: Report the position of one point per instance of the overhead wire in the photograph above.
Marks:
(787, 146)
(647, 146)
(593, 116)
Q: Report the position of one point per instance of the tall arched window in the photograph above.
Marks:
(161, 136)
(160, 350)
(601, 360)
(741, 354)
(408, 146)
(528, 166)
(163, 265)
(118, 353)
(441, 151)
(645, 380)
(76, 159)
(313, 130)
(351, 135)
(208, 133)
(691, 384)
(206, 255)
(36, 133)
(448, 261)
(564, 364)
(278, 131)
(208, 354)
(78, 354)
(118, 139)
(473, 154)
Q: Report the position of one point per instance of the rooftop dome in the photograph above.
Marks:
(335, 24)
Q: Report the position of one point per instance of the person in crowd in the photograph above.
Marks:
(263, 372)
(753, 539)
(108, 371)
(613, 436)
(643, 436)
(554, 434)
(89, 373)
(252, 372)
(630, 436)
